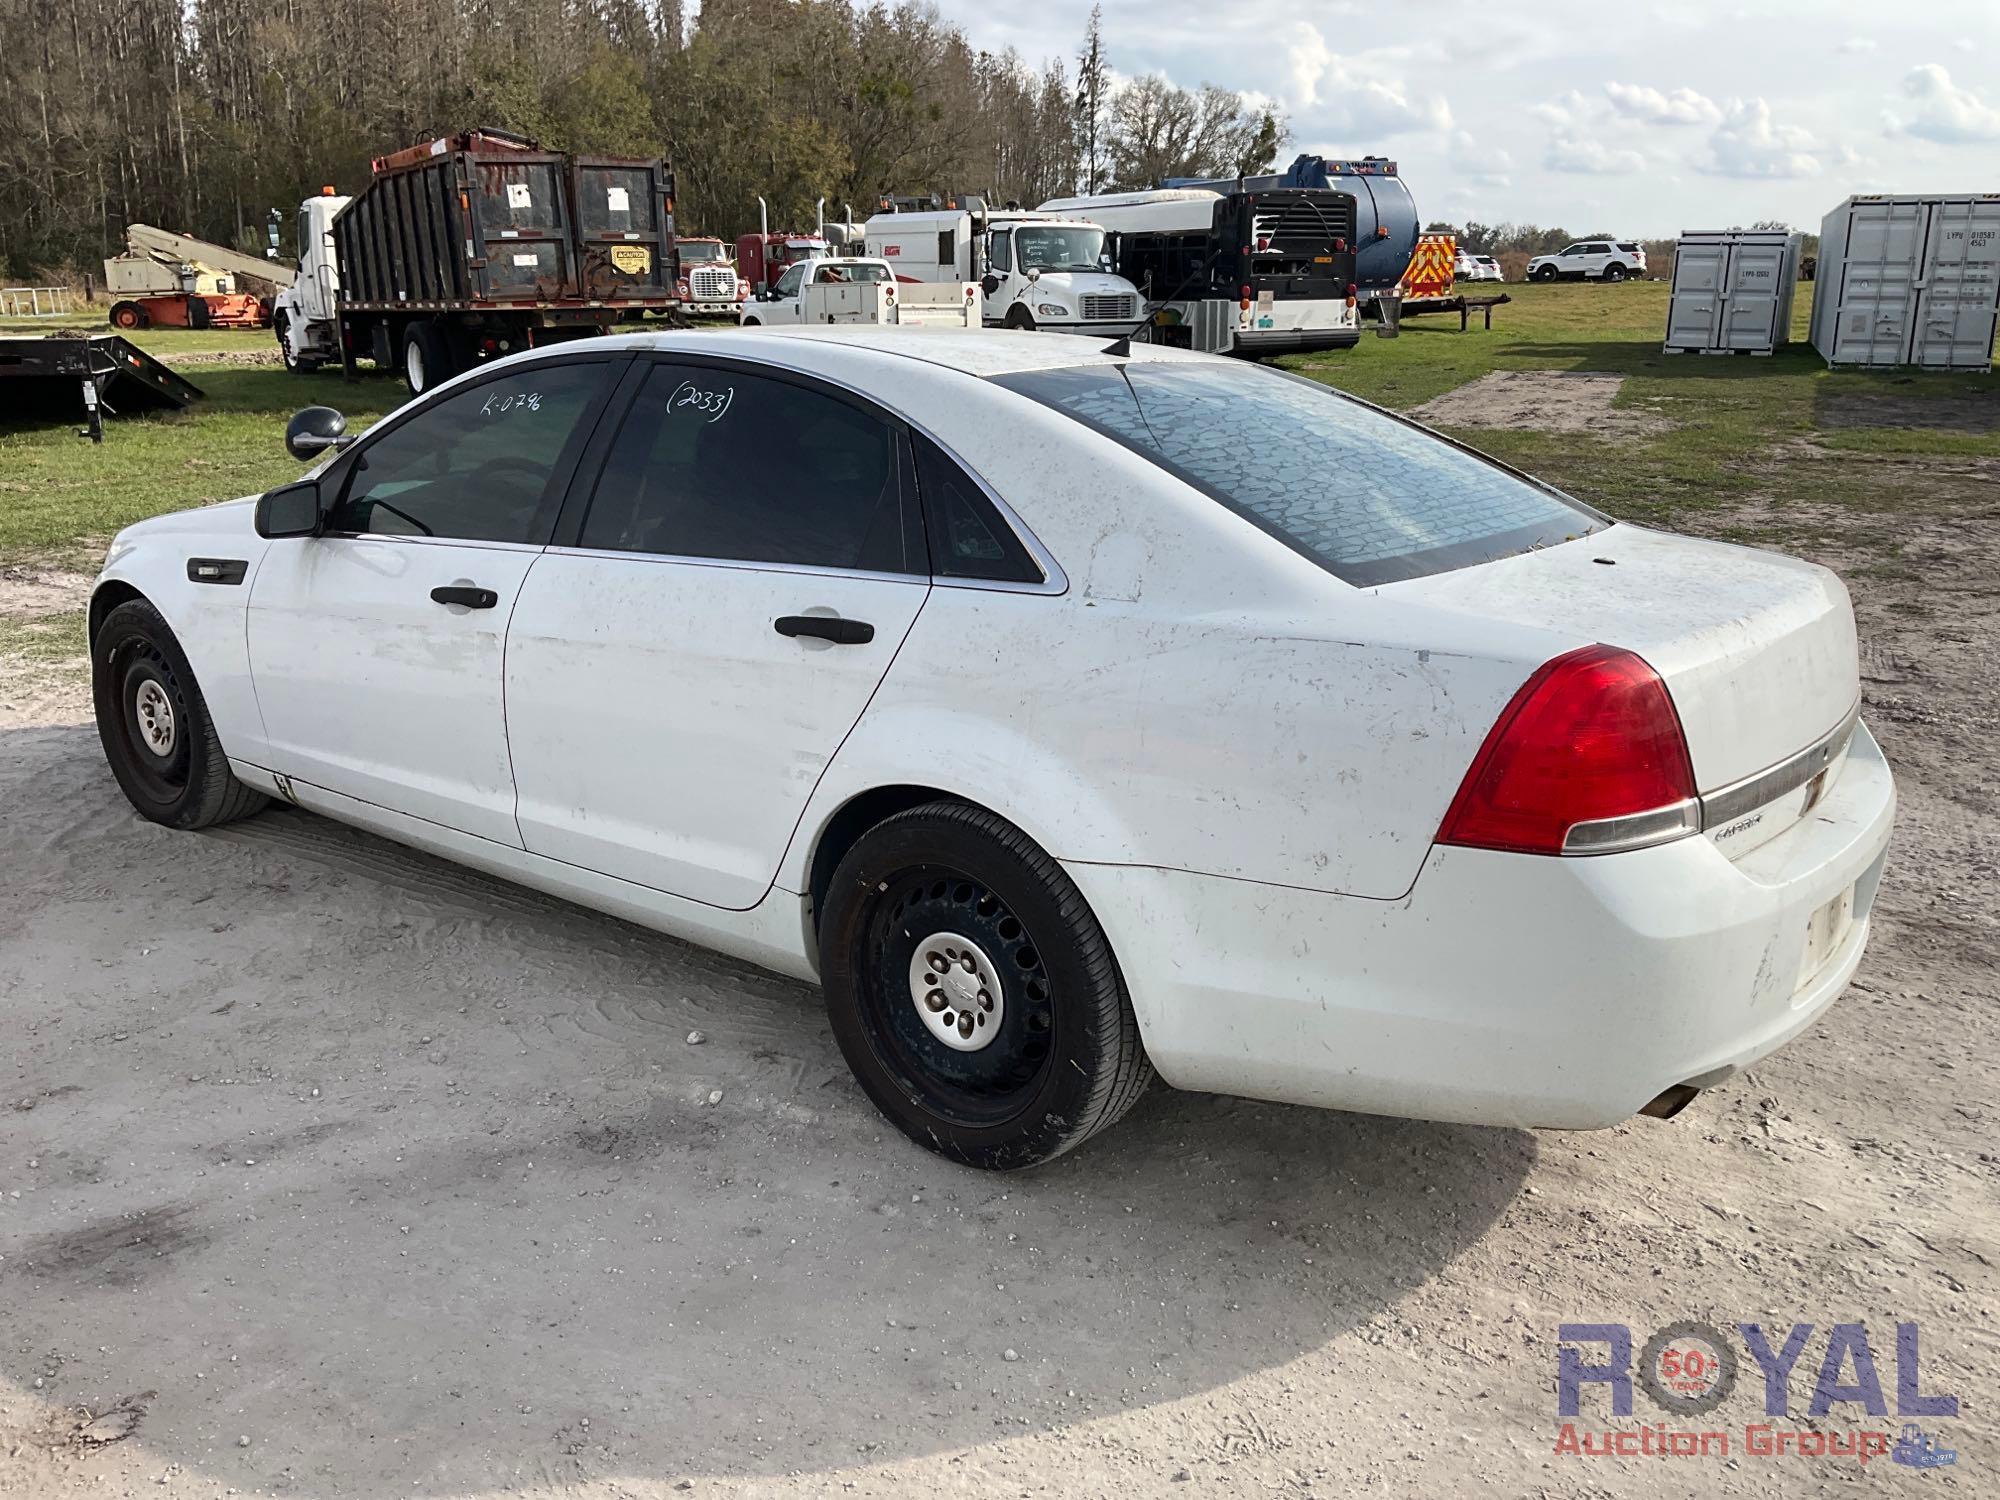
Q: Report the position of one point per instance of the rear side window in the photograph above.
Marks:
(1368, 497)
(1633, 249)
(716, 463)
(968, 536)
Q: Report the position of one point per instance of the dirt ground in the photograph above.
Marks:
(1542, 401)
(328, 1169)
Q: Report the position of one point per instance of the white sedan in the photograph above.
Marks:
(1067, 712)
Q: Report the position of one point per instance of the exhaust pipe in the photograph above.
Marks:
(763, 218)
(1669, 1101)
(819, 219)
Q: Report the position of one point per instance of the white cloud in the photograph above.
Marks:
(1943, 111)
(1355, 98)
(1480, 162)
(1564, 109)
(1749, 143)
(1858, 44)
(1648, 105)
(1589, 155)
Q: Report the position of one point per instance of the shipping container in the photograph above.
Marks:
(1732, 291)
(1909, 280)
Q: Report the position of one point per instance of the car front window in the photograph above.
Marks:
(1369, 497)
(480, 465)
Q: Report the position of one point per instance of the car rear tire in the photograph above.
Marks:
(1614, 273)
(155, 728)
(426, 359)
(972, 991)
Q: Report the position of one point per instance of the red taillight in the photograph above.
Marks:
(1592, 736)
(1243, 295)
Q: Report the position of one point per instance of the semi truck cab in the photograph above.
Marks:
(303, 316)
(1034, 270)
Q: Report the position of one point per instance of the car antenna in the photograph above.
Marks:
(1120, 348)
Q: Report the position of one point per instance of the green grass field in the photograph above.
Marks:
(1730, 430)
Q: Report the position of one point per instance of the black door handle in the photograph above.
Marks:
(827, 628)
(470, 598)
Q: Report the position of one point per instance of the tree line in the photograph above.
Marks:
(204, 115)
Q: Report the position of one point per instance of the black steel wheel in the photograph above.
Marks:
(155, 728)
(972, 991)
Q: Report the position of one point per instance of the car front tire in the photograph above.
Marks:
(155, 728)
(972, 991)
(1545, 273)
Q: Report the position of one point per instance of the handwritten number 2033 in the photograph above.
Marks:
(689, 397)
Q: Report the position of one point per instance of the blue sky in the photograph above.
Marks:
(1630, 118)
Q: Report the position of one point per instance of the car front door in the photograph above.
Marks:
(686, 658)
(788, 299)
(376, 647)
(999, 274)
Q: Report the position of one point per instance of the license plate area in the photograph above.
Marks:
(1826, 929)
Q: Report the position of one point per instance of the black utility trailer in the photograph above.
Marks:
(64, 378)
(482, 244)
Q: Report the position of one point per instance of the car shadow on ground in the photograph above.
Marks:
(415, 1180)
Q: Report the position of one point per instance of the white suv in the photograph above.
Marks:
(1607, 260)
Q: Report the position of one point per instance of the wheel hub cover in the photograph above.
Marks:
(153, 712)
(956, 991)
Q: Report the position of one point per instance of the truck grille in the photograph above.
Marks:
(1107, 309)
(712, 284)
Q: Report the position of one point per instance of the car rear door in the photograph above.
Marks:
(376, 647)
(710, 623)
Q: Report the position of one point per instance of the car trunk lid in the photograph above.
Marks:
(1757, 651)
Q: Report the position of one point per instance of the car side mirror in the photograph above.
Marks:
(1034, 273)
(289, 510)
(990, 283)
(313, 430)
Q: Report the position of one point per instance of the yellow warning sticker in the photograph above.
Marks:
(633, 260)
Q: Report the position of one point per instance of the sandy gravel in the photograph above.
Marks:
(328, 1169)
(1543, 401)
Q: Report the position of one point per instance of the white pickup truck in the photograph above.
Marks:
(855, 289)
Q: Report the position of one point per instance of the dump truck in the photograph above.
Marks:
(168, 280)
(476, 245)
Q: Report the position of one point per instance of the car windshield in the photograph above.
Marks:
(693, 250)
(1369, 497)
(1058, 247)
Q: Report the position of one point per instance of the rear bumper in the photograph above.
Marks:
(1503, 989)
(1259, 343)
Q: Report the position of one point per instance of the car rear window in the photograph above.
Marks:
(1366, 495)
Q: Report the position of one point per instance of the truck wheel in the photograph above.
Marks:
(1614, 272)
(425, 361)
(286, 352)
(155, 727)
(752, 323)
(1018, 317)
(128, 315)
(972, 991)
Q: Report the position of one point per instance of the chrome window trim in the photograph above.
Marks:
(1727, 804)
(739, 564)
(405, 539)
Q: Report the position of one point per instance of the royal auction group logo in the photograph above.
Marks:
(1689, 1369)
